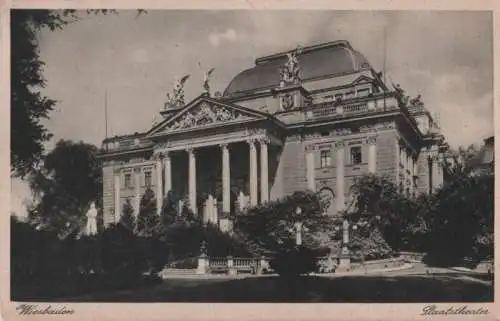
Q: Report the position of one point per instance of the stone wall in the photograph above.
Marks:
(293, 166)
(108, 194)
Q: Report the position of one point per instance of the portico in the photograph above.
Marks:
(243, 132)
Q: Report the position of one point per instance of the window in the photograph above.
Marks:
(356, 155)
(363, 92)
(147, 179)
(326, 159)
(128, 180)
(349, 95)
(338, 97)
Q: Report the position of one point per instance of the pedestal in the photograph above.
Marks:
(202, 264)
(230, 265)
(345, 260)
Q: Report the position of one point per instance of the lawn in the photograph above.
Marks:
(352, 289)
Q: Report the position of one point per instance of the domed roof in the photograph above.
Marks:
(318, 61)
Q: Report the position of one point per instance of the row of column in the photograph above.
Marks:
(226, 175)
(340, 173)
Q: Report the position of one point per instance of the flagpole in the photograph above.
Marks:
(106, 115)
(385, 66)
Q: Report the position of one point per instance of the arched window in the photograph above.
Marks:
(327, 201)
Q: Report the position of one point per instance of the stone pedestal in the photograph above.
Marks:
(230, 265)
(202, 264)
(345, 260)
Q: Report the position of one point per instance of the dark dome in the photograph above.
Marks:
(316, 61)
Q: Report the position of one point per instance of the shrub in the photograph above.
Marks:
(294, 262)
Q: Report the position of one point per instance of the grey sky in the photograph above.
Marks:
(445, 56)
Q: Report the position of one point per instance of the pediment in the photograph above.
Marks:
(362, 79)
(205, 113)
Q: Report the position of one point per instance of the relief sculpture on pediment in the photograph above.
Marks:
(205, 115)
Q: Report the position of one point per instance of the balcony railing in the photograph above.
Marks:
(121, 143)
(332, 109)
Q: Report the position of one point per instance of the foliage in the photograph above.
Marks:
(462, 161)
(28, 105)
(462, 221)
(64, 187)
(127, 219)
(367, 243)
(295, 261)
(147, 219)
(398, 217)
(268, 228)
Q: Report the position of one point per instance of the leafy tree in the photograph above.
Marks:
(147, 220)
(462, 161)
(461, 223)
(64, 187)
(268, 228)
(127, 219)
(28, 106)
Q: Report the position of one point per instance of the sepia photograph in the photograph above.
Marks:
(251, 156)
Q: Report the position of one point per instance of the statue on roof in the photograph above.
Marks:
(177, 98)
(417, 101)
(289, 73)
(206, 85)
(402, 94)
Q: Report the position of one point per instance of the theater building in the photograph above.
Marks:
(313, 118)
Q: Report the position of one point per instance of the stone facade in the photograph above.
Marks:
(265, 137)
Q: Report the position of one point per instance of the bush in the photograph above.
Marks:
(294, 262)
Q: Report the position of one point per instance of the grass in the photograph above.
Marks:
(352, 289)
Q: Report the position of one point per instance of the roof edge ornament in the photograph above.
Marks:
(177, 98)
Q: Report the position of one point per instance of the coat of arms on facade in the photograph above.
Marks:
(289, 72)
(286, 102)
(177, 97)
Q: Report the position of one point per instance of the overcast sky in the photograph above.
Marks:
(445, 56)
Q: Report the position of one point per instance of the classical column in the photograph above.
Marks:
(137, 171)
(226, 179)
(159, 183)
(372, 154)
(340, 176)
(253, 173)
(167, 173)
(310, 168)
(192, 180)
(118, 211)
(264, 172)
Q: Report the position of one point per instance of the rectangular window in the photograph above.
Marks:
(147, 179)
(326, 159)
(356, 155)
(363, 92)
(349, 95)
(128, 180)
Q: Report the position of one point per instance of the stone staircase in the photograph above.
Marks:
(172, 272)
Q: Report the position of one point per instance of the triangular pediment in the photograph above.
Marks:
(362, 79)
(205, 112)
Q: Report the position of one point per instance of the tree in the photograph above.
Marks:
(462, 161)
(28, 105)
(147, 220)
(64, 187)
(269, 228)
(462, 221)
(127, 219)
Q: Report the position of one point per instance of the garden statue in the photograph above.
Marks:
(91, 228)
